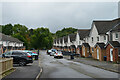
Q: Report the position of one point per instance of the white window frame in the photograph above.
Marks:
(116, 36)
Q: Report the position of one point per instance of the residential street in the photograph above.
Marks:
(62, 68)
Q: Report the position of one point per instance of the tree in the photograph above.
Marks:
(65, 31)
(7, 29)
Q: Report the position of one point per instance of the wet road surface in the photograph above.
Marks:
(62, 68)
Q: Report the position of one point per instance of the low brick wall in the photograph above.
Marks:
(5, 65)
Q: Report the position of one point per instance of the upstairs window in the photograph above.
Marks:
(116, 35)
(97, 38)
(92, 39)
(104, 37)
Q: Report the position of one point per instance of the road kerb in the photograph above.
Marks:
(38, 76)
(98, 67)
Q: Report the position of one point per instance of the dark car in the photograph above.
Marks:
(49, 51)
(19, 57)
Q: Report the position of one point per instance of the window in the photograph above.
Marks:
(92, 39)
(79, 42)
(104, 37)
(8, 53)
(116, 35)
(92, 49)
(16, 53)
(97, 38)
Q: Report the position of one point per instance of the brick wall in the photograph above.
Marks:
(115, 53)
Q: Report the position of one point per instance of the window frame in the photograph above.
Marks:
(98, 39)
(92, 39)
(104, 38)
(116, 36)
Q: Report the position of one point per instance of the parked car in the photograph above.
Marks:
(34, 55)
(49, 51)
(58, 55)
(19, 57)
(53, 50)
(52, 53)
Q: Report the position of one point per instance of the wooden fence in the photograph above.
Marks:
(5, 65)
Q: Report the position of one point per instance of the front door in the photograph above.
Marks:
(97, 53)
(111, 54)
(83, 51)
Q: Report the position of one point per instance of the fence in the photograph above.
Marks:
(5, 65)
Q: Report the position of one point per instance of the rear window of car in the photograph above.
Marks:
(49, 50)
(17, 53)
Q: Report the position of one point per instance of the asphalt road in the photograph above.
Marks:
(30, 71)
(62, 68)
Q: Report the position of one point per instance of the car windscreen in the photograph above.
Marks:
(29, 52)
(49, 50)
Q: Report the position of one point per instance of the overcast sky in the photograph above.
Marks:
(57, 15)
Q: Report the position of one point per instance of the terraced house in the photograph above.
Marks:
(10, 43)
(101, 33)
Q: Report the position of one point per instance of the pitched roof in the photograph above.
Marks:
(9, 38)
(72, 37)
(83, 33)
(86, 44)
(116, 28)
(104, 26)
(101, 45)
(61, 39)
(57, 40)
(65, 39)
(113, 44)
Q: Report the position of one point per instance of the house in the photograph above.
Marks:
(82, 33)
(99, 32)
(72, 42)
(9, 42)
(113, 51)
(65, 38)
(115, 33)
(60, 42)
(99, 51)
(57, 44)
(85, 50)
(79, 49)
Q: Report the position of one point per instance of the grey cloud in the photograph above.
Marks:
(55, 16)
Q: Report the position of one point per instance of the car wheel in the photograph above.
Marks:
(22, 63)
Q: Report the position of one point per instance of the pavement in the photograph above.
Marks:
(114, 67)
(30, 72)
(55, 69)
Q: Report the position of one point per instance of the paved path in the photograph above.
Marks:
(62, 68)
(101, 64)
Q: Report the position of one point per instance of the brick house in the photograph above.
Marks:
(113, 51)
(82, 33)
(65, 42)
(99, 51)
(85, 50)
(79, 50)
(72, 42)
(99, 32)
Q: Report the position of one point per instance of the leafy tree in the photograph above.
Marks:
(7, 29)
(65, 31)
